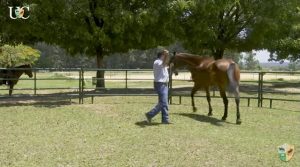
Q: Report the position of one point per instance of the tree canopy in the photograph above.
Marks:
(241, 25)
(101, 27)
(98, 28)
(12, 56)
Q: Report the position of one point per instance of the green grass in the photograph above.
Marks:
(111, 133)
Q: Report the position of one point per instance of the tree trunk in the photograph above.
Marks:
(100, 74)
(219, 53)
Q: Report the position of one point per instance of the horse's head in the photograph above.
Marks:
(28, 70)
(174, 64)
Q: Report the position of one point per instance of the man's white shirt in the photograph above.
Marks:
(160, 71)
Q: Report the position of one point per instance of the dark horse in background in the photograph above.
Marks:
(207, 72)
(10, 77)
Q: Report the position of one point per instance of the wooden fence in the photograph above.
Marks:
(258, 81)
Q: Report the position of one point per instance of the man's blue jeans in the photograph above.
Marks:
(162, 91)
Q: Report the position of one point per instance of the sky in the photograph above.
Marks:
(262, 56)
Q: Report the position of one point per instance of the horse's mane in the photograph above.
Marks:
(192, 59)
(23, 66)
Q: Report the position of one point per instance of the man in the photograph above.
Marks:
(161, 79)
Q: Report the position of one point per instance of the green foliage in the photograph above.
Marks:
(18, 31)
(12, 56)
(250, 62)
(288, 47)
(56, 57)
(101, 27)
(142, 59)
(242, 25)
(294, 66)
(97, 27)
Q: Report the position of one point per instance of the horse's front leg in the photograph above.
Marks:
(11, 87)
(194, 90)
(225, 101)
(208, 100)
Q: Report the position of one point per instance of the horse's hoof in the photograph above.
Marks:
(238, 121)
(210, 114)
(224, 118)
(194, 109)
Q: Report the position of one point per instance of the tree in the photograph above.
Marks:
(294, 66)
(139, 58)
(239, 25)
(250, 62)
(12, 56)
(56, 57)
(288, 47)
(14, 32)
(98, 28)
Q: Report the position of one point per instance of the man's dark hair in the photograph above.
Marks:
(159, 54)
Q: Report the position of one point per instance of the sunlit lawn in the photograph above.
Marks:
(111, 133)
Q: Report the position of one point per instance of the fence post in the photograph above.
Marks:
(258, 90)
(35, 81)
(82, 85)
(261, 90)
(126, 79)
(79, 88)
(170, 84)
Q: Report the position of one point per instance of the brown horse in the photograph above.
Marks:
(10, 77)
(207, 72)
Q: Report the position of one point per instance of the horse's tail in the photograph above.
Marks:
(233, 73)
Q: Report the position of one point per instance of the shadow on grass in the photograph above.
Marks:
(39, 104)
(202, 118)
(144, 124)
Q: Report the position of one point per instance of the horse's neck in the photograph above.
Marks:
(16, 73)
(19, 73)
(187, 61)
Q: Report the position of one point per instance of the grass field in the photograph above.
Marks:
(112, 133)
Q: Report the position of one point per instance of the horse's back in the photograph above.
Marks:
(221, 69)
(223, 64)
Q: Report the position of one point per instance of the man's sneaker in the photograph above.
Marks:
(166, 122)
(148, 118)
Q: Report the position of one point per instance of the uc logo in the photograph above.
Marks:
(19, 12)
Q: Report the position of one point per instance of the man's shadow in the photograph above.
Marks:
(202, 118)
(144, 124)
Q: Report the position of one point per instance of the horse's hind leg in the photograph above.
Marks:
(11, 87)
(237, 101)
(208, 100)
(225, 101)
(194, 90)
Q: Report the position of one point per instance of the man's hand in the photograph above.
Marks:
(166, 58)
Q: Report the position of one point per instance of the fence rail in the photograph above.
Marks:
(259, 81)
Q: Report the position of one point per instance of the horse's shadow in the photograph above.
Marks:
(202, 118)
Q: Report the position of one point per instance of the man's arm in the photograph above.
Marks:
(166, 61)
